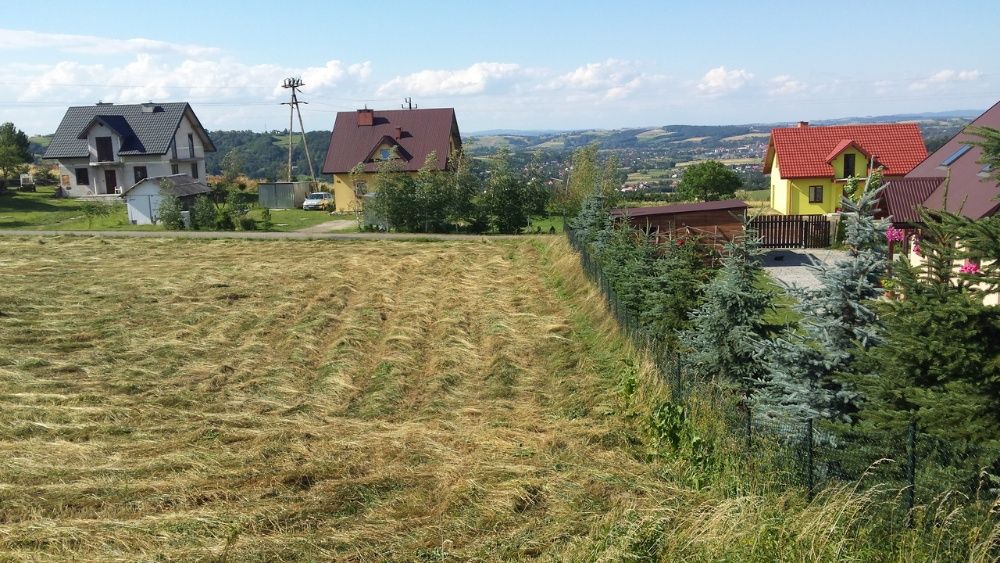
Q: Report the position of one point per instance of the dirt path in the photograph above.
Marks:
(338, 225)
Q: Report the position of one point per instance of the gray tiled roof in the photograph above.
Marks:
(180, 185)
(151, 132)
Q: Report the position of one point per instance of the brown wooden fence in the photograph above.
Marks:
(792, 231)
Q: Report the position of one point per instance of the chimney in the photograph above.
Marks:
(366, 117)
(399, 133)
(803, 124)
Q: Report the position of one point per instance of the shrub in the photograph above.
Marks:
(169, 213)
(204, 215)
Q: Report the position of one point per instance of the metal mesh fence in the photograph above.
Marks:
(808, 454)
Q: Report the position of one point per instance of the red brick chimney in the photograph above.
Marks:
(366, 117)
(803, 124)
(399, 133)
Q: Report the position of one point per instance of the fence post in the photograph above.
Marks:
(809, 458)
(911, 470)
(749, 428)
(677, 374)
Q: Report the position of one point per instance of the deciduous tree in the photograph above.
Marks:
(708, 181)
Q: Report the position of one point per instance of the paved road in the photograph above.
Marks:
(792, 267)
(328, 226)
(294, 235)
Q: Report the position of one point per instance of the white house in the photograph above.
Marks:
(143, 199)
(104, 148)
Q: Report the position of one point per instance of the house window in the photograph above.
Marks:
(815, 194)
(194, 170)
(105, 151)
(174, 169)
(82, 177)
(191, 146)
(173, 150)
(140, 173)
(849, 169)
(385, 154)
(360, 188)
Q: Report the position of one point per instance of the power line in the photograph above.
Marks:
(294, 84)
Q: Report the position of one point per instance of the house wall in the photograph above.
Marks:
(779, 189)
(791, 196)
(343, 190)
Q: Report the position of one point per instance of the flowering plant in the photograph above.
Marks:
(915, 245)
(970, 267)
(892, 234)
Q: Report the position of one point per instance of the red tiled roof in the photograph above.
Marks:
(901, 197)
(423, 131)
(970, 192)
(803, 151)
(679, 208)
(842, 146)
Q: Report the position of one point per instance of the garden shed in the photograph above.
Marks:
(282, 195)
(719, 220)
(143, 199)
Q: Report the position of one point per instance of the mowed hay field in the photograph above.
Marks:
(280, 400)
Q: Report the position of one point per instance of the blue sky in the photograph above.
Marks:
(509, 65)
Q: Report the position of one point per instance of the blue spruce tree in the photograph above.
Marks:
(838, 321)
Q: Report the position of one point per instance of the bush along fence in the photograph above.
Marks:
(808, 454)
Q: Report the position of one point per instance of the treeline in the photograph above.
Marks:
(265, 155)
(469, 196)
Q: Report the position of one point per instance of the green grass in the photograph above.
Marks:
(547, 222)
(39, 210)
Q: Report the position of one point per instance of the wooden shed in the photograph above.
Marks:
(714, 220)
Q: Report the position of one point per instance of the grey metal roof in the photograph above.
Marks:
(179, 185)
(143, 132)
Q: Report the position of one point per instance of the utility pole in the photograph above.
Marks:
(408, 104)
(293, 108)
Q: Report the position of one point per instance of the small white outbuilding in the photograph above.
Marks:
(143, 199)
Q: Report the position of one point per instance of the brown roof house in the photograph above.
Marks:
(363, 140)
(970, 189)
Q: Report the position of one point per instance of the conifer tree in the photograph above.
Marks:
(805, 378)
(940, 361)
(728, 328)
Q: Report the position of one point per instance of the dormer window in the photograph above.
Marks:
(849, 168)
(384, 153)
(105, 150)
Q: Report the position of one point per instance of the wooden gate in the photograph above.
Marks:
(792, 231)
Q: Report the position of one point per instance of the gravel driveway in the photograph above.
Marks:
(792, 267)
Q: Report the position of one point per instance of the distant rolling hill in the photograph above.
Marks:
(679, 137)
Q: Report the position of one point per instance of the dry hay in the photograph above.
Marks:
(308, 400)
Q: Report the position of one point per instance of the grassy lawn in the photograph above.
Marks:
(547, 222)
(27, 210)
(39, 210)
(182, 399)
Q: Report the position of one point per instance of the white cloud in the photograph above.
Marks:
(719, 81)
(945, 78)
(609, 80)
(11, 40)
(476, 79)
(784, 85)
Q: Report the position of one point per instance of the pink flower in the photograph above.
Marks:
(892, 234)
(970, 268)
(915, 245)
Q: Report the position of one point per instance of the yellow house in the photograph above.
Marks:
(810, 165)
(362, 140)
